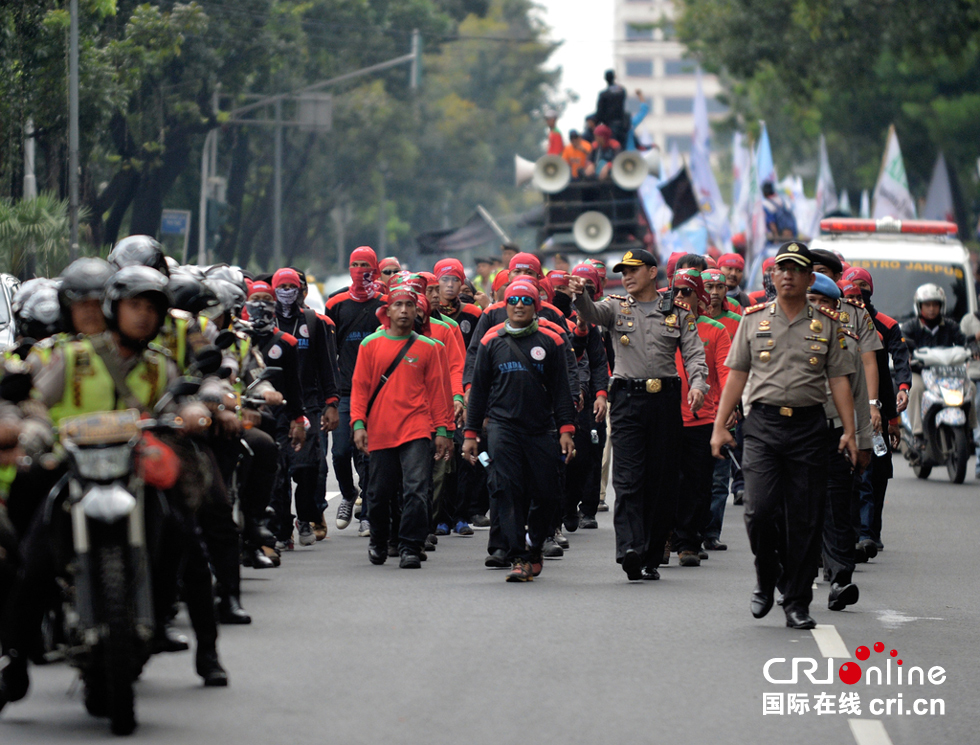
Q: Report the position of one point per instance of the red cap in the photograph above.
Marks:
(672, 262)
(286, 276)
(365, 253)
(712, 275)
(849, 288)
(732, 259)
(710, 261)
(389, 261)
(260, 287)
(768, 263)
(453, 267)
(500, 279)
(526, 261)
(557, 278)
(600, 267)
(430, 278)
(603, 130)
(856, 272)
(403, 292)
(520, 288)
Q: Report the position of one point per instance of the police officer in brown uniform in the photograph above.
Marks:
(644, 396)
(787, 350)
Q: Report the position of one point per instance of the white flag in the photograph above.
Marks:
(844, 203)
(939, 200)
(891, 197)
(714, 211)
(826, 201)
(742, 195)
(865, 204)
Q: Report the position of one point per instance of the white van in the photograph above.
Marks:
(901, 256)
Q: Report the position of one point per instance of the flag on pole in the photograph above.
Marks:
(678, 194)
(743, 167)
(826, 191)
(939, 200)
(865, 204)
(844, 202)
(891, 196)
(764, 170)
(713, 208)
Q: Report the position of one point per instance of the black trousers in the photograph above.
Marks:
(582, 475)
(524, 488)
(303, 467)
(401, 477)
(785, 467)
(694, 491)
(839, 533)
(219, 530)
(646, 433)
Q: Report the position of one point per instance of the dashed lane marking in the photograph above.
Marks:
(830, 642)
(869, 732)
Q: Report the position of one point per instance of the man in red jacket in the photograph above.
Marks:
(399, 399)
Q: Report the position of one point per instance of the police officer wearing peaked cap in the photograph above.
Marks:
(787, 350)
(645, 401)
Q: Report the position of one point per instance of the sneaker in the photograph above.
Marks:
(496, 560)
(271, 554)
(702, 554)
(358, 509)
(434, 539)
(713, 544)
(603, 507)
(429, 545)
(560, 539)
(377, 555)
(364, 529)
(392, 550)
(536, 561)
(463, 528)
(551, 549)
(410, 561)
(572, 522)
(306, 536)
(320, 529)
(588, 523)
(689, 559)
(520, 572)
(480, 521)
(442, 529)
(344, 513)
(739, 497)
(286, 545)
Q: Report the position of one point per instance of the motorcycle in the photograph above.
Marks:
(115, 469)
(947, 401)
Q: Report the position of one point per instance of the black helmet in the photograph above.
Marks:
(139, 250)
(230, 274)
(190, 293)
(36, 310)
(230, 296)
(83, 279)
(133, 281)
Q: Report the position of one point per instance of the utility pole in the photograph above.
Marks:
(383, 212)
(416, 70)
(277, 191)
(73, 130)
(30, 180)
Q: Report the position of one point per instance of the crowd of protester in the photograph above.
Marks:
(445, 403)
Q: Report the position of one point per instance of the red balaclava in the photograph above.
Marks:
(589, 273)
(363, 284)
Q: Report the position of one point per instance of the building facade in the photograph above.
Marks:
(648, 57)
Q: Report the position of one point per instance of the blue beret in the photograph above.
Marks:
(824, 285)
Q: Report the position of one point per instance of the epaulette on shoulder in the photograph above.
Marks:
(829, 313)
(621, 298)
(854, 301)
(683, 305)
(753, 309)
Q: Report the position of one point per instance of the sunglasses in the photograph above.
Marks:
(520, 300)
(685, 291)
(389, 271)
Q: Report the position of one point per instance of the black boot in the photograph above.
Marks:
(210, 669)
(168, 639)
(230, 611)
(14, 680)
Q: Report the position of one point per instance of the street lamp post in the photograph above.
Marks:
(73, 129)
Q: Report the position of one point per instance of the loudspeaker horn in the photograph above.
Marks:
(629, 170)
(551, 174)
(523, 170)
(593, 232)
(652, 158)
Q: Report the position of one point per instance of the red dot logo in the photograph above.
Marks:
(879, 647)
(899, 662)
(894, 653)
(849, 673)
(862, 653)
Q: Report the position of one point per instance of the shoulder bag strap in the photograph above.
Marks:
(509, 340)
(391, 369)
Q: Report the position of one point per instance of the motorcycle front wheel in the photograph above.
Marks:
(958, 455)
(118, 649)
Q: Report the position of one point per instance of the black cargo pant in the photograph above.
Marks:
(694, 501)
(582, 474)
(524, 488)
(646, 434)
(785, 467)
(401, 478)
(839, 533)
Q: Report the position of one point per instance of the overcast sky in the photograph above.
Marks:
(587, 52)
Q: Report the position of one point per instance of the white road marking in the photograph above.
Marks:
(332, 494)
(830, 642)
(869, 732)
(893, 619)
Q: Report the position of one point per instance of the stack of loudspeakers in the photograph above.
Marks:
(599, 215)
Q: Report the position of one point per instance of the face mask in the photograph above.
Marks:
(361, 282)
(866, 296)
(262, 316)
(287, 296)
(563, 303)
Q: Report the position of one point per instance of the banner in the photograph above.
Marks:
(713, 208)
(826, 201)
(891, 196)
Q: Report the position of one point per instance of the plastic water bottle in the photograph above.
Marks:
(484, 459)
(878, 443)
(595, 437)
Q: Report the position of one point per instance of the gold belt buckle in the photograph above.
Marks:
(654, 385)
(785, 411)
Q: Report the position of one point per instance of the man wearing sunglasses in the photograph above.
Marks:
(645, 401)
(389, 266)
(520, 384)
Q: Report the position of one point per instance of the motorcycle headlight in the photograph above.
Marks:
(108, 504)
(952, 397)
(102, 464)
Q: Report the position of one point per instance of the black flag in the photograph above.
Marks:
(678, 193)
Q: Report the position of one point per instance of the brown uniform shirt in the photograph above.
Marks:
(859, 391)
(855, 318)
(789, 362)
(647, 339)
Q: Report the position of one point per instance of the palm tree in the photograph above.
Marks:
(34, 235)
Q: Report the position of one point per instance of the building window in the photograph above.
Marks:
(677, 67)
(678, 105)
(639, 32)
(716, 107)
(668, 30)
(639, 68)
(683, 143)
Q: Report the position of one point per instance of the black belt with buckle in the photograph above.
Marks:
(645, 385)
(789, 411)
